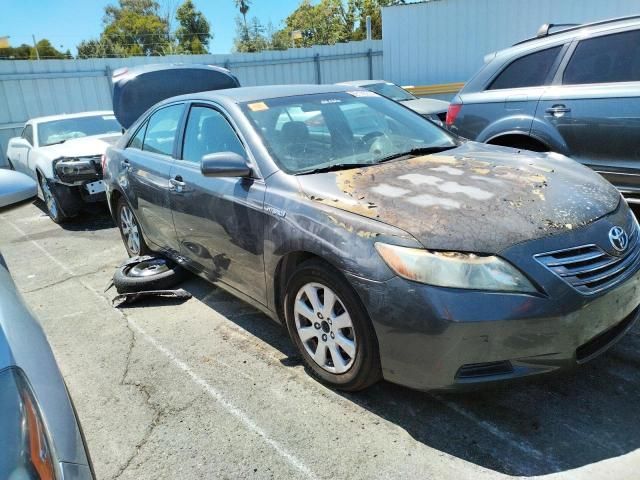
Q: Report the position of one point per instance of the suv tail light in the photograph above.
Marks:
(452, 113)
(103, 161)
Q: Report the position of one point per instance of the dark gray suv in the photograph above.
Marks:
(574, 91)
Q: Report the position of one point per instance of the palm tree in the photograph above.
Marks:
(243, 6)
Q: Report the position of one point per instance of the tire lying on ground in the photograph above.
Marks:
(140, 274)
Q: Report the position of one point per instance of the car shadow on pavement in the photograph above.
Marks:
(92, 217)
(535, 427)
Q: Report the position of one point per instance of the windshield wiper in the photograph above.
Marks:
(335, 167)
(417, 151)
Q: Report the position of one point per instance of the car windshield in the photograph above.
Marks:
(320, 131)
(390, 90)
(58, 131)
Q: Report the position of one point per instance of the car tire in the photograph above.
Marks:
(335, 337)
(130, 230)
(52, 201)
(147, 273)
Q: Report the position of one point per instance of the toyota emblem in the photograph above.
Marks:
(619, 239)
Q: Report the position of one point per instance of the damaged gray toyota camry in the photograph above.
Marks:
(387, 246)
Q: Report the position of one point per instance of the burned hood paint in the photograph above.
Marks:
(474, 198)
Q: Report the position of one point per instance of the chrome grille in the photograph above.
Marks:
(589, 269)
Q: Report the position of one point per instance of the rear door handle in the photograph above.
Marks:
(558, 110)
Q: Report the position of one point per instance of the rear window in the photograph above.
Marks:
(528, 71)
(607, 59)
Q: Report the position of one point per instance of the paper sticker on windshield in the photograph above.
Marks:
(330, 100)
(108, 117)
(362, 93)
(258, 107)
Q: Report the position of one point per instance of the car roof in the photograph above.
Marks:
(562, 36)
(361, 83)
(69, 115)
(251, 94)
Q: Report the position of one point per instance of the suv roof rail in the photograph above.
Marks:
(543, 31)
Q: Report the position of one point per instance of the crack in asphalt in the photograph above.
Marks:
(66, 279)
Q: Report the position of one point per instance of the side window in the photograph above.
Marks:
(607, 59)
(208, 132)
(162, 129)
(27, 134)
(528, 71)
(136, 142)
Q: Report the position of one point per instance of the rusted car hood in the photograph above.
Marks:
(475, 198)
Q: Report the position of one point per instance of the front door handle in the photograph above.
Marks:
(177, 184)
(558, 110)
(125, 165)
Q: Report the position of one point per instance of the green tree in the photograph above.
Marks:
(193, 34)
(251, 39)
(133, 27)
(23, 52)
(45, 50)
(243, 6)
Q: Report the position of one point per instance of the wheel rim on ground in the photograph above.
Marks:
(325, 328)
(130, 230)
(148, 268)
(49, 200)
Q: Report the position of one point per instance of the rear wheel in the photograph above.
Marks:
(331, 328)
(520, 142)
(130, 230)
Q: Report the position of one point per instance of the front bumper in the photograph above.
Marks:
(440, 338)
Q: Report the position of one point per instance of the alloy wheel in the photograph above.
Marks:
(325, 328)
(130, 229)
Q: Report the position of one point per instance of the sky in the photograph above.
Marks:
(65, 23)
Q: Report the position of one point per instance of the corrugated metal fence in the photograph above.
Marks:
(35, 88)
(444, 41)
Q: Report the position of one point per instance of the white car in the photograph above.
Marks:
(63, 154)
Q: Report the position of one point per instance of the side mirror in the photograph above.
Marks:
(225, 164)
(15, 189)
(21, 142)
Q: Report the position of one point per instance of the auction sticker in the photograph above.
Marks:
(258, 107)
(362, 93)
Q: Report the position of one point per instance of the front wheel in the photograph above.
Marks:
(52, 202)
(331, 328)
(130, 230)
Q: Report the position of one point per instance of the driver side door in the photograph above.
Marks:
(219, 221)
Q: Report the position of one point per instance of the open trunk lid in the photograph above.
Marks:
(136, 89)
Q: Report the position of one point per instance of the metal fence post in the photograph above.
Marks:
(316, 59)
(107, 73)
(370, 60)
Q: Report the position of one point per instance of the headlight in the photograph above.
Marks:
(454, 269)
(25, 446)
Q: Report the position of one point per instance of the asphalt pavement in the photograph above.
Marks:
(211, 388)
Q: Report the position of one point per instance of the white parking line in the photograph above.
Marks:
(239, 414)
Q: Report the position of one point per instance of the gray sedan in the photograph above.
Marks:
(430, 108)
(40, 436)
(387, 246)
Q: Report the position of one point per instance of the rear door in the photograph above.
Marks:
(508, 104)
(147, 163)
(594, 106)
(219, 221)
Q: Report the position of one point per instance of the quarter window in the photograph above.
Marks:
(27, 134)
(208, 132)
(528, 71)
(137, 141)
(162, 129)
(607, 59)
